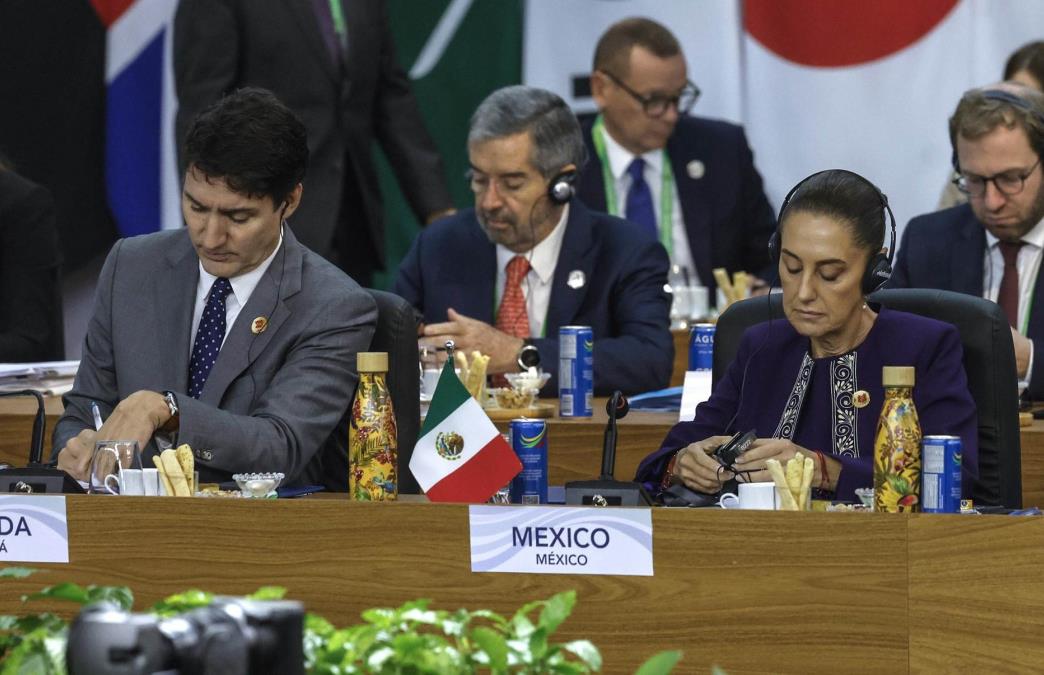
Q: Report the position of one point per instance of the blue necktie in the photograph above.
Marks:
(639, 199)
(209, 336)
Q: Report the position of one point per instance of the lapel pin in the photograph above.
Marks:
(861, 399)
(695, 169)
(576, 279)
(258, 325)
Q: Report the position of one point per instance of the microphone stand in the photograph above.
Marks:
(37, 477)
(606, 490)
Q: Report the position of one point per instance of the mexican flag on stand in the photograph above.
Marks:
(460, 456)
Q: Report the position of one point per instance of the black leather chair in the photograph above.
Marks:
(989, 361)
(396, 334)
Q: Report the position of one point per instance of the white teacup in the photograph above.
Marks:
(755, 496)
(126, 482)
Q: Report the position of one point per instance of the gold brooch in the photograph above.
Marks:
(861, 399)
(258, 325)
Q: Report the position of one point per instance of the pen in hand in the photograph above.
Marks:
(97, 416)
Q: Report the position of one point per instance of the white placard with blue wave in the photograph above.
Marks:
(561, 540)
(33, 529)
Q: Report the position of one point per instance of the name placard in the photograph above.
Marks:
(561, 540)
(33, 529)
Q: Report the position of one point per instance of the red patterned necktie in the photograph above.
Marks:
(1008, 296)
(512, 317)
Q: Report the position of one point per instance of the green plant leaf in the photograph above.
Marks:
(493, 645)
(268, 593)
(556, 610)
(182, 602)
(587, 652)
(660, 664)
(17, 572)
(121, 595)
(538, 644)
(65, 591)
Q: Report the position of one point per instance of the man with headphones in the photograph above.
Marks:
(993, 245)
(502, 278)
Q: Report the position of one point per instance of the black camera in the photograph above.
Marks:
(728, 452)
(231, 636)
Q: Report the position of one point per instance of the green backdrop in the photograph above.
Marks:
(484, 53)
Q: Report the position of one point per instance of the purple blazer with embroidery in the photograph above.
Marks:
(775, 358)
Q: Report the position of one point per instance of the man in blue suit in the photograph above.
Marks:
(502, 278)
(688, 181)
(993, 245)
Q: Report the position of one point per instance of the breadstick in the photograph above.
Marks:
(188, 466)
(722, 277)
(167, 487)
(740, 281)
(786, 500)
(806, 483)
(174, 474)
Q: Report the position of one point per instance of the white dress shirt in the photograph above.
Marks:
(536, 286)
(619, 159)
(242, 288)
(1028, 264)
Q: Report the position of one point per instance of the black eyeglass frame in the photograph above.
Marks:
(648, 102)
(961, 181)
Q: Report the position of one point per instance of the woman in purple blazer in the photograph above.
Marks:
(810, 380)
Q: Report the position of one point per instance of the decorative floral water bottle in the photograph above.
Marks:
(897, 447)
(372, 437)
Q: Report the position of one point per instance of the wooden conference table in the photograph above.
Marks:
(575, 443)
(749, 591)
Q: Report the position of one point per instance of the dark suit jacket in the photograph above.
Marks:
(30, 292)
(453, 264)
(221, 45)
(727, 217)
(274, 401)
(946, 249)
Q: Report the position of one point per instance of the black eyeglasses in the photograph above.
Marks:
(657, 104)
(1009, 183)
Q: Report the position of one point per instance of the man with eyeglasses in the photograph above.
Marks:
(993, 245)
(688, 181)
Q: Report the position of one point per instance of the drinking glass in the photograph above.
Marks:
(116, 469)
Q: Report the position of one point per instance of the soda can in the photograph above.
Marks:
(941, 474)
(701, 347)
(529, 441)
(575, 371)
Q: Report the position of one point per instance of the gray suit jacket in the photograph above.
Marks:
(275, 401)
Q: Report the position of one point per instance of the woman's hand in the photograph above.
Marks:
(697, 469)
(750, 466)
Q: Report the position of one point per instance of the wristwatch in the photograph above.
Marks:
(172, 404)
(529, 356)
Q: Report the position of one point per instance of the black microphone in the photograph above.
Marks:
(37, 477)
(39, 425)
(616, 407)
(607, 491)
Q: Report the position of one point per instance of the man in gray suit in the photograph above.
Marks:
(228, 335)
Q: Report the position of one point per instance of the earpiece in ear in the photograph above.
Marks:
(561, 188)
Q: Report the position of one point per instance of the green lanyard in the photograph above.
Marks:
(666, 186)
(337, 12)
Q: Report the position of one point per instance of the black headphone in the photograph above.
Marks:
(1012, 100)
(562, 187)
(878, 268)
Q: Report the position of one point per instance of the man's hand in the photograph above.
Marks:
(471, 334)
(1023, 349)
(136, 418)
(75, 457)
(758, 286)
